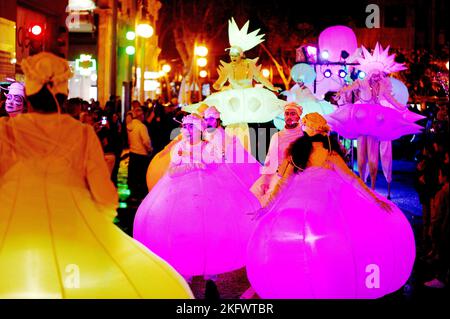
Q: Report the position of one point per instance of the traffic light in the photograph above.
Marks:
(36, 36)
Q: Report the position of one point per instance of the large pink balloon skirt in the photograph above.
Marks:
(325, 239)
(198, 222)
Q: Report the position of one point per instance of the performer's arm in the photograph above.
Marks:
(342, 169)
(260, 78)
(179, 165)
(352, 87)
(97, 175)
(223, 77)
(271, 164)
(287, 171)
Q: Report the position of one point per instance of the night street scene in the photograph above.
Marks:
(250, 152)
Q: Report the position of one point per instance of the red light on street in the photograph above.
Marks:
(36, 30)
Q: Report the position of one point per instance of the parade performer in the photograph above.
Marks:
(58, 203)
(195, 217)
(279, 143)
(368, 119)
(239, 102)
(324, 233)
(15, 99)
(161, 161)
(242, 163)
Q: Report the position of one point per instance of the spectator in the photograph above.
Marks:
(155, 121)
(426, 186)
(440, 230)
(73, 107)
(140, 149)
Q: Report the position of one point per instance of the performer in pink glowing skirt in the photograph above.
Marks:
(196, 215)
(325, 234)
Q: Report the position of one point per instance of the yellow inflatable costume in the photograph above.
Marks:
(57, 239)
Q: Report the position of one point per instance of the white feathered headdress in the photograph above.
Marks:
(380, 60)
(240, 40)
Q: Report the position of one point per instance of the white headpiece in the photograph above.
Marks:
(17, 88)
(240, 40)
(46, 68)
(212, 112)
(194, 119)
(380, 60)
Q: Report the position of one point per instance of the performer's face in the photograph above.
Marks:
(211, 122)
(291, 118)
(190, 132)
(376, 77)
(235, 57)
(308, 130)
(14, 104)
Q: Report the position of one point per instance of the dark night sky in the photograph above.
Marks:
(316, 12)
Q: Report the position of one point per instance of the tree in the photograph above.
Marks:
(195, 22)
(282, 40)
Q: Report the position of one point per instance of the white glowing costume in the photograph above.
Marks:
(377, 117)
(240, 102)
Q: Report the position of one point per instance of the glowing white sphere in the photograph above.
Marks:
(144, 30)
(201, 51)
(202, 62)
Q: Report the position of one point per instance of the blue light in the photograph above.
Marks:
(361, 75)
(327, 73)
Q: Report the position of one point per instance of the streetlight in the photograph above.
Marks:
(130, 50)
(265, 73)
(201, 62)
(166, 68)
(131, 35)
(144, 30)
(201, 51)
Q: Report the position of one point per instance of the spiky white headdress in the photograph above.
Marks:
(240, 40)
(380, 60)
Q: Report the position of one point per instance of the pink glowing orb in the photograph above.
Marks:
(336, 39)
(384, 123)
(323, 239)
